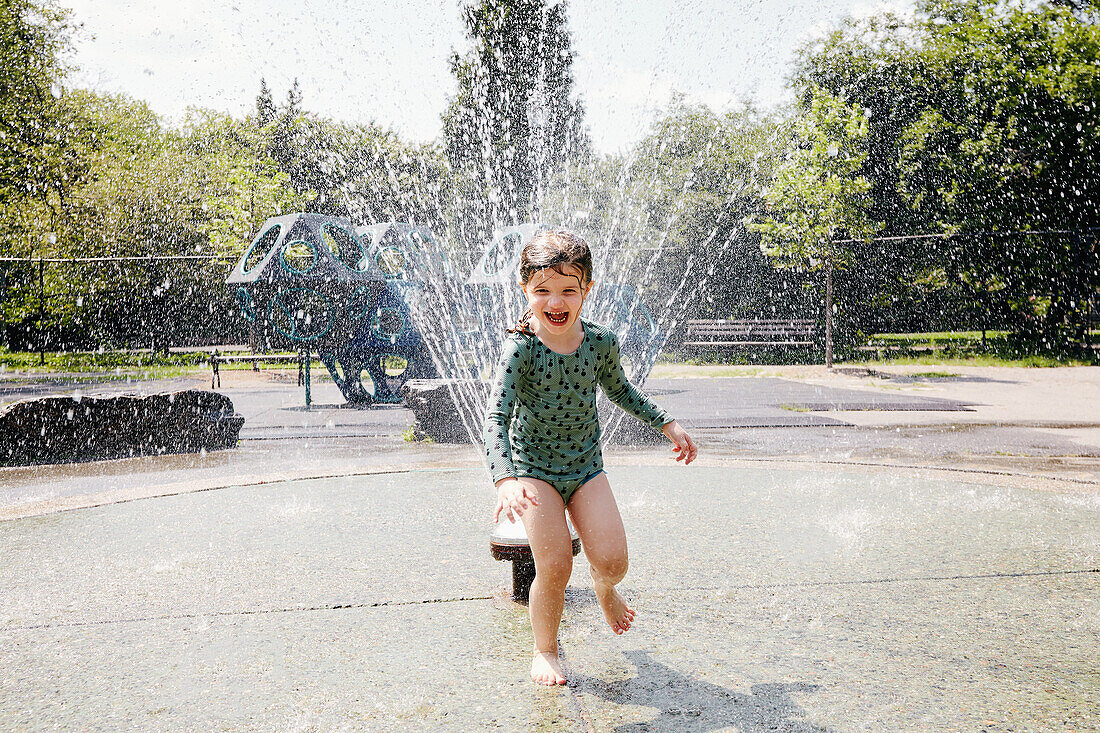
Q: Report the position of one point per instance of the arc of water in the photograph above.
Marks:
(463, 327)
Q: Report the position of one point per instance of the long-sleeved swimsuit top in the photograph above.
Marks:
(541, 418)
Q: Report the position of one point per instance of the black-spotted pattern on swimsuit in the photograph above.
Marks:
(541, 417)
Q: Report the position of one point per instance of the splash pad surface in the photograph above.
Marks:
(805, 599)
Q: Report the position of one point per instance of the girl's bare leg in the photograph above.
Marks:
(553, 554)
(596, 517)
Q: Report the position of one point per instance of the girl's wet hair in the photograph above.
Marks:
(553, 249)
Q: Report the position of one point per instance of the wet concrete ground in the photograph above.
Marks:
(891, 567)
(805, 599)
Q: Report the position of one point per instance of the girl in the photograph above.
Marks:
(542, 438)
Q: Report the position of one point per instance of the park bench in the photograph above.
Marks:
(217, 358)
(750, 332)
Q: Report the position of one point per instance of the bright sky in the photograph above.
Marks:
(387, 61)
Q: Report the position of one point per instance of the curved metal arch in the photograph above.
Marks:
(291, 270)
(248, 308)
(278, 299)
(245, 269)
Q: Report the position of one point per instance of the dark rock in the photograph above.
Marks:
(69, 429)
(435, 412)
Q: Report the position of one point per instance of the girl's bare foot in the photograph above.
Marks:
(546, 669)
(619, 615)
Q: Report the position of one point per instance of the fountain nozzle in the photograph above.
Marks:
(508, 541)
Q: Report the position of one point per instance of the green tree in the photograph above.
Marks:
(819, 195)
(125, 204)
(361, 171)
(147, 191)
(983, 123)
(698, 176)
(237, 185)
(874, 63)
(514, 123)
(34, 37)
(265, 105)
(668, 218)
(1009, 147)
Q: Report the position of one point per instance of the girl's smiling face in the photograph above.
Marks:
(555, 299)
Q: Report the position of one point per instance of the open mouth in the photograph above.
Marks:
(559, 318)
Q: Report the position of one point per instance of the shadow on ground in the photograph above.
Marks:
(688, 704)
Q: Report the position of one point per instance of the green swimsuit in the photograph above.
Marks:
(541, 420)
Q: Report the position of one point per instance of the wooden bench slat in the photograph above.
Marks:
(216, 359)
(257, 357)
(750, 332)
(748, 343)
(722, 331)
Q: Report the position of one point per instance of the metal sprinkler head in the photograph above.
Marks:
(508, 541)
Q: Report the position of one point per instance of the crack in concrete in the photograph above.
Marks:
(874, 581)
(243, 612)
(460, 599)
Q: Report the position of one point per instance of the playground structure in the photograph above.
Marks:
(318, 284)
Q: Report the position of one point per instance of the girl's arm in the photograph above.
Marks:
(513, 498)
(498, 412)
(619, 390)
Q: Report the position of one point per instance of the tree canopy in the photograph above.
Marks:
(819, 195)
(968, 131)
(983, 124)
(514, 122)
(35, 126)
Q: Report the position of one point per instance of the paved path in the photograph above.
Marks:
(1035, 424)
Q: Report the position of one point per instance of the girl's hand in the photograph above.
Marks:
(513, 498)
(682, 444)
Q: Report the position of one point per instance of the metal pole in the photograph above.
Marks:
(306, 357)
(828, 312)
(41, 313)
